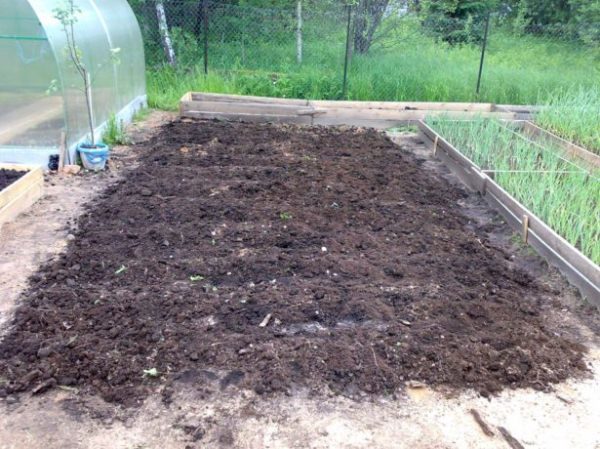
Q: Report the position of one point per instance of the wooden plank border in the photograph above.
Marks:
(577, 268)
(405, 105)
(379, 115)
(570, 149)
(226, 98)
(255, 118)
(21, 194)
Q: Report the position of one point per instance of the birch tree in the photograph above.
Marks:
(164, 33)
(299, 32)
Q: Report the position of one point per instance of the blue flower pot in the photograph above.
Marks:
(93, 157)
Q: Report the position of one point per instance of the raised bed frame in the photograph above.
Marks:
(376, 114)
(579, 269)
(21, 194)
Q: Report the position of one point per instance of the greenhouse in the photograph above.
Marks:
(43, 107)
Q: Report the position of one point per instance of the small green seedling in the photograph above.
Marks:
(196, 278)
(285, 216)
(152, 372)
(122, 269)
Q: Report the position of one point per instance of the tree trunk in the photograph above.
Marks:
(164, 33)
(299, 33)
(87, 83)
(369, 14)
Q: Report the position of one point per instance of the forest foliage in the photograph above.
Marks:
(451, 19)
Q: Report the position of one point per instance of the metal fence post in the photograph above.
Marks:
(483, 46)
(205, 32)
(348, 51)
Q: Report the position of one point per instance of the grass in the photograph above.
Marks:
(518, 70)
(114, 134)
(575, 115)
(141, 115)
(563, 194)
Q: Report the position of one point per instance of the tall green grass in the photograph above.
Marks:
(411, 67)
(564, 194)
(575, 115)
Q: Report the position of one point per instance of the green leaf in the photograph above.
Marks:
(152, 372)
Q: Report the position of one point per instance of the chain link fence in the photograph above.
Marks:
(348, 52)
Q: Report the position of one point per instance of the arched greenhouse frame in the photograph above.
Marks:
(42, 101)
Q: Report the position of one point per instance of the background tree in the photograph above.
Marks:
(368, 17)
(456, 21)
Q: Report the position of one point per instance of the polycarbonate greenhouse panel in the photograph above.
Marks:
(41, 93)
(92, 40)
(127, 39)
(30, 117)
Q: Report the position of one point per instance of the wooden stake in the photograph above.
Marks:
(266, 320)
(512, 441)
(482, 424)
(63, 150)
(435, 144)
(525, 228)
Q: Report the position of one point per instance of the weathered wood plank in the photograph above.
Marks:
(184, 102)
(403, 105)
(521, 112)
(351, 113)
(201, 96)
(570, 149)
(21, 194)
(18, 167)
(355, 114)
(33, 175)
(255, 118)
(333, 120)
(246, 108)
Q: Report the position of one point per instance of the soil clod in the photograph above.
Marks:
(7, 177)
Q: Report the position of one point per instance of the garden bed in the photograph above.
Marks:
(543, 188)
(20, 187)
(283, 257)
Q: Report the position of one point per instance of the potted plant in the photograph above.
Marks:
(93, 153)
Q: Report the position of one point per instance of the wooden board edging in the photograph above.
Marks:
(255, 118)
(377, 114)
(21, 194)
(404, 105)
(571, 149)
(227, 98)
(577, 268)
(246, 108)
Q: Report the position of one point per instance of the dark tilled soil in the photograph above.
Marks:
(284, 257)
(7, 177)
